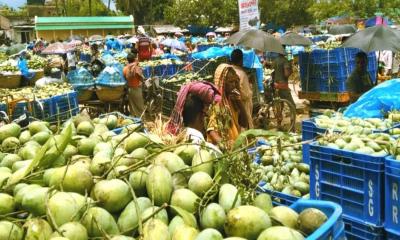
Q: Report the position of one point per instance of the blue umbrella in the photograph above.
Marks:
(174, 43)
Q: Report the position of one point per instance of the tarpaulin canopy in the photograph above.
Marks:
(250, 60)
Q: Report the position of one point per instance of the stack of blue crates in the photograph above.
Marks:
(327, 70)
(356, 182)
(392, 198)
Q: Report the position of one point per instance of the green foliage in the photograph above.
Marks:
(81, 8)
(144, 11)
(286, 12)
(280, 12)
(202, 13)
(11, 12)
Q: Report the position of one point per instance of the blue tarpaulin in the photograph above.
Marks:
(250, 60)
(376, 102)
(170, 56)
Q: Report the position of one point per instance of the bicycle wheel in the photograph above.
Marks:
(279, 115)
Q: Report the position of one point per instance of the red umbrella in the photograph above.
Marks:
(57, 48)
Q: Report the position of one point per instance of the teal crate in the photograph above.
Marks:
(333, 228)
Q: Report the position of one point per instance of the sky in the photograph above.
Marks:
(18, 3)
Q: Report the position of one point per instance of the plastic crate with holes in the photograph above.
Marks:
(168, 101)
(353, 180)
(120, 118)
(333, 228)
(310, 131)
(65, 106)
(392, 197)
(40, 109)
(328, 70)
(208, 67)
(358, 230)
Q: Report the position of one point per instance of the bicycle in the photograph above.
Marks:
(274, 112)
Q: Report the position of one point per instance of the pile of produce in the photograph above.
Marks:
(3, 57)
(375, 144)
(121, 59)
(154, 63)
(338, 122)
(187, 77)
(32, 93)
(9, 67)
(37, 63)
(328, 45)
(83, 181)
(282, 164)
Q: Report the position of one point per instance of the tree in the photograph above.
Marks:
(203, 13)
(144, 11)
(83, 8)
(286, 12)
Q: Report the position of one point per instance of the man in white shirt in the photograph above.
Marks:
(387, 58)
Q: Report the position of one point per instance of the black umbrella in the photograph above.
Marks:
(256, 39)
(342, 29)
(294, 39)
(378, 38)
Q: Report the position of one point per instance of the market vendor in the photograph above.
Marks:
(47, 78)
(134, 76)
(359, 81)
(282, 71)
(23, 67)
(237, 105)
(191, 108)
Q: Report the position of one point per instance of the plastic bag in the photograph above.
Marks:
(80, 78)
(111, 76)
(376, 102)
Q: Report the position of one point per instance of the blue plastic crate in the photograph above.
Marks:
(3, 107)
(353, 180)
(333, 227)
(171, 69)
(65, 106)
(392, 195)
(85, 57)
(357, 230)
(335, 86)
(278, 198)
(120, 115)
(392, 236)
(147, 72)
(42, 109)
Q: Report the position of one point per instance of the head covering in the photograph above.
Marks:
(206, 91)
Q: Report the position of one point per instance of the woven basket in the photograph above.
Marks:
(38, 75)
(85, 95)
(10, 81)
(110, 94)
